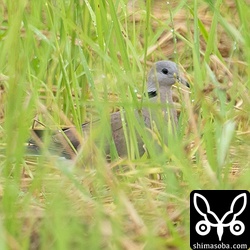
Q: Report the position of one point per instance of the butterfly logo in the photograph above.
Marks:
(203, 227)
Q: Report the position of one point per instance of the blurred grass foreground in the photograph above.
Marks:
(64, 63)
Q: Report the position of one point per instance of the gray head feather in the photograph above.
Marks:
(162, 74)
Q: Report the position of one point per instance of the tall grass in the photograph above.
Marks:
(68, 62)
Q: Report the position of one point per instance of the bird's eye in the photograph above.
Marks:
(164, 71)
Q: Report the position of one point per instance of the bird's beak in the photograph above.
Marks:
(181, 80)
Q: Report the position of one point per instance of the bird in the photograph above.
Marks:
(162, 75)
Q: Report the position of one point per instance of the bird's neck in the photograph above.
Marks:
(164, 95)
(166, 98)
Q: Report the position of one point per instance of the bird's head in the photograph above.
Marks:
(164, 74)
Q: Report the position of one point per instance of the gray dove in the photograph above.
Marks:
(161, 77)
